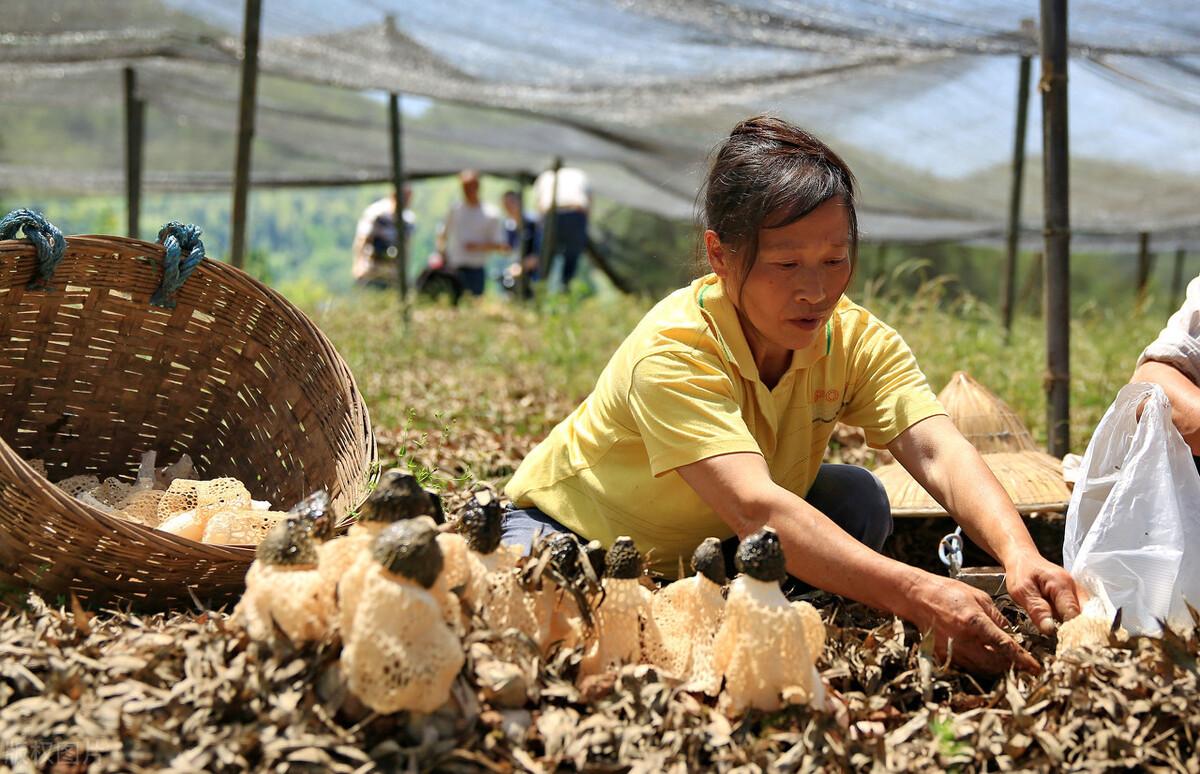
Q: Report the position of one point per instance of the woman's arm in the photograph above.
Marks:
(739, 488)
(1183, 394)
(950, 469)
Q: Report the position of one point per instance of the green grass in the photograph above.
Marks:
(967, 335)
(493, 373)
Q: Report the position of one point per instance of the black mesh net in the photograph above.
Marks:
(920, 98)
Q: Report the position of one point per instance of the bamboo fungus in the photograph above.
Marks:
(688, 614)
(285, 589)
(399, 654)
(759, 620)
(624, 624)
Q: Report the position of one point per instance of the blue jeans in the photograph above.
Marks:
(571, 240)
(472, 279)
(852, 497)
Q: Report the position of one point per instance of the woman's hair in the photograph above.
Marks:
(770, 173)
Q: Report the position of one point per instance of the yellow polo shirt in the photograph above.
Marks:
(683, 387)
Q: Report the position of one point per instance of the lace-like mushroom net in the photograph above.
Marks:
(399, 653)
(142, 507)
(688, 614)
(294, 598)
(77, 485)
(242, 527)
(205, 497)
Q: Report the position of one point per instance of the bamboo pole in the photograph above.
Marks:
(1145, 264)
(1014, 197)
(602, 263)
(550, 226)
(396, 131)
(1056, 204)
(524, 287)
(245, 140)
(1177, 278)
(135, 134)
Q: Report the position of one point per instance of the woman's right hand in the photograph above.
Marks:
(966, 622)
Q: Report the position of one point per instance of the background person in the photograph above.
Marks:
(713, 416)
(572, 199)
(1172, 361)
(471, 232)
(524, 240)
(377, 241)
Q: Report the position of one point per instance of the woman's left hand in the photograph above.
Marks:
(1045, 590)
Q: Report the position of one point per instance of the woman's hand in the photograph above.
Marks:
(1045, 590)
(966, 623)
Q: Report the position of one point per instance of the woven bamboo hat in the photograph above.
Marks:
(1032, 478)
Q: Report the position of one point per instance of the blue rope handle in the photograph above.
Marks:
(46, 238)
(177, 239)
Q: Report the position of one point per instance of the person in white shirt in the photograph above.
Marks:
(1172, 361)
(471, 232)
(377, 242)
(571, 198)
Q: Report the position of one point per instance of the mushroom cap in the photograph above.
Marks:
(482, 523)
(315, 511)
(623, 560)
(595, 555)
(409, 548)
(709, 560)
(564, 554)
(289, 543)
(761, 556)
(399, 496)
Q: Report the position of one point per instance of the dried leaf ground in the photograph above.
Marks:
(183, 693)
(461, 403)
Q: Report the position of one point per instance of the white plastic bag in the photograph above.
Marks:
(1133, 525)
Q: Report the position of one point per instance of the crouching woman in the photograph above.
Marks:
(713, 416)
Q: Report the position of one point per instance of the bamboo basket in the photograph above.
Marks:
(1032, 478)
(92, 374)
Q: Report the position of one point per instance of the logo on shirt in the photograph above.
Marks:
(827, 396)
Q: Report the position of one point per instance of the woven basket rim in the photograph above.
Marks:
(1023, 510)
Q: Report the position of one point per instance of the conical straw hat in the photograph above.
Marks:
(1032, 478)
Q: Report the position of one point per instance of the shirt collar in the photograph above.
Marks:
(718, 309)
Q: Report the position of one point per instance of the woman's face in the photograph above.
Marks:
(801, 271)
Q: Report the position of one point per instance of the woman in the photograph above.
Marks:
(713, 416)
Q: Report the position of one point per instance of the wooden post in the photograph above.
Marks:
(523, 282)
(1177, 278)
(1145, 264)
(1056, 204)
(396, 130)
(1014, 197)
(550, 226)
(135, 114)
(245, 140)
(601, 261)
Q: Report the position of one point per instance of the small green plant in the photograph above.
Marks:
(944, 736)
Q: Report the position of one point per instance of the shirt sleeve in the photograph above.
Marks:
(889, 392)
(686, 411)
(1178, 344)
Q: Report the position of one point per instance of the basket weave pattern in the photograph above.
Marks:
(1032, 479)
(92, 375)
